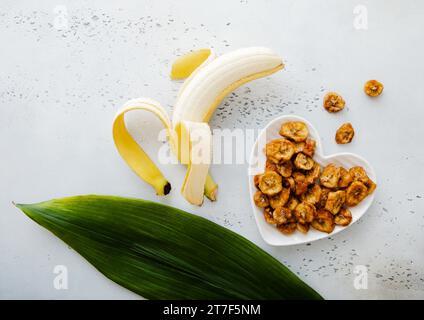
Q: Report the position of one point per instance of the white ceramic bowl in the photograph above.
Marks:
(257, 163)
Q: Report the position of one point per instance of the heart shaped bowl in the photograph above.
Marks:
(269, 233)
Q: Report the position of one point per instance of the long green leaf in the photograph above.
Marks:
(161, 252)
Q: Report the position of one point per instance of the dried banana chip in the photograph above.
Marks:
(285, 168)
(287, 228)
(345, 178)
(330, 176)
(313, 194)
(268, 215)
(333, 102)
(280, 199)
(345, 133)
(335, 201)
(344, 217)
(370, 185)
(373, 88)
(324, 196)
(261, 200)
(323, 221)
(292, 203)
(358, 173)
(270, 166)
(279, 150)
(256, 179)
(313, 174)
(289, 183)
(301, 185)
(355, 193)
(282, 215)
(299, 146)
(294, 130)
(270, 183)
(303, 162)
(309, 147)
(304, 228)
(305, 212)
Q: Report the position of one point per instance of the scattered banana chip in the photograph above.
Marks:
(345, 133)
(295, 130)
(296, 193)
(373, 88)
(333, 102)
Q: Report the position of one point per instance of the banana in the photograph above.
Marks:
(208, 80)
(197, 138)
(216, 79)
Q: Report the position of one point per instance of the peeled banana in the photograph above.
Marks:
(209, 80)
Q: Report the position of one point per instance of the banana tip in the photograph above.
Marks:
(212, 194)
(167, 188)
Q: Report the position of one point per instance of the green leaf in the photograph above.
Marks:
(161, 252)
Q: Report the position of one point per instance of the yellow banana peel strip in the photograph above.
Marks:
(191, 73)
(132, 153)
(196, 141)
(185, 65)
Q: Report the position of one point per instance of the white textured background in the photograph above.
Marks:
(59, 90)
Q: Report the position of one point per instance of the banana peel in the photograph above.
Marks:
(184, 66)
